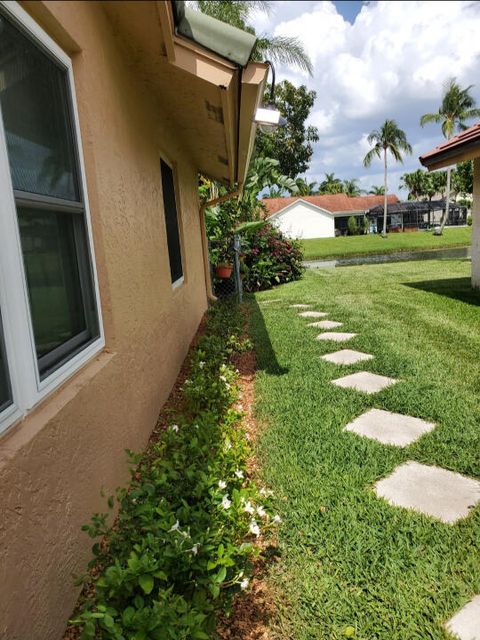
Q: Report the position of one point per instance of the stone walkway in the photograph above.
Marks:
(432, 491)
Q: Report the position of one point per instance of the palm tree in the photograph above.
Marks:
(377, 190)
(331, 184)
(281, 49)
(456, 107)
(305, 188)
(415, 183)
(388, 138)
(351, 188)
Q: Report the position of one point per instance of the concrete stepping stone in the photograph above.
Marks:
(312, 314)
(364, 381)
(346, 356)
(465, 625)
(300, 306)
(326, 324)
(336, 336)
(433, 491)
(270, 301)
(389, 428)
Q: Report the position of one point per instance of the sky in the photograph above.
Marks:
(373, 61)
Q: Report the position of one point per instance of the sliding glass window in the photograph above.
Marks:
(37, 116)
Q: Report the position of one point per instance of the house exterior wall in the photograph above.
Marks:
(301, 220)
(476, 225)
(54, 463)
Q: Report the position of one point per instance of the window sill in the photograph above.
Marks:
(178, 283)
(25, 428)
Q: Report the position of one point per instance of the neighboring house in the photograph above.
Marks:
(109, 110)
(465, 146)
(318, 216)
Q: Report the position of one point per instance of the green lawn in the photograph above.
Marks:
(357, 245)
(348, 559)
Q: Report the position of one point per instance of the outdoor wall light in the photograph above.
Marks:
(268, 117)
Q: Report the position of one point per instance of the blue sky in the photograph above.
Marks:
(372, 61)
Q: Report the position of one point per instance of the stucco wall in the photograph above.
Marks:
(476, 225)
(300, 220)
(54, 464)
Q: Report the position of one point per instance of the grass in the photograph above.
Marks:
(319, 248)
(350, 563)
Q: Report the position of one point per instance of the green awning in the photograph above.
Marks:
(217, 36)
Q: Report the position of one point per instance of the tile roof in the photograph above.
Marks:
(335, 203)
(448, 149)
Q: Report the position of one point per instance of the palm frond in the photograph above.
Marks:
(376, 151)
(283, 50)
(430, 117)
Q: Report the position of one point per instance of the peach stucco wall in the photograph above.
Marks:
(55, 462)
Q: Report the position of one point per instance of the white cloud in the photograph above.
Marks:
(390, 63)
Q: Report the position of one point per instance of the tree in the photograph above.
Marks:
(331, 184)
(389, 138)
(305, 188)
(377, 190)
(456, 107)
(464, 178)
(351, 188)
(435, 182)
(281, 49)
(415, 183)
(291, 145)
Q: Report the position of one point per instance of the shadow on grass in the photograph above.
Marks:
(266, 357)
(456, 288)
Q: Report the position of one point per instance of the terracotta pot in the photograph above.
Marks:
(223, 271)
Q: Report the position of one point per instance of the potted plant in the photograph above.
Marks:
(224, 266)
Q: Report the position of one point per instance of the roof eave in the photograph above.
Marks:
(448, 157)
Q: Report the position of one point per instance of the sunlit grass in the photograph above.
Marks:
(349, 560)
(374, 243)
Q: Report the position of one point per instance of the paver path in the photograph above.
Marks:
(465, 625)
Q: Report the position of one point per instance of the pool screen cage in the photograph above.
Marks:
(413, 215)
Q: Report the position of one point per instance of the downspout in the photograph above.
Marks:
(206, 261)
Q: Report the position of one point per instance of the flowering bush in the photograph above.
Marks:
(270, 259)
(186, 531)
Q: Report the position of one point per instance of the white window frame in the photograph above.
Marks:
(27, 388)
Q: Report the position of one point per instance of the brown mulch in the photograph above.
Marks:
(253, 609)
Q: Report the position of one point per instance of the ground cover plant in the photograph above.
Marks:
(319, 248)
(352, 565)
(183, 543)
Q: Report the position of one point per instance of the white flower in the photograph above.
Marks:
(227, 386)
(196, 426)
(244, 584)
(239, 473)
(176, 527)
(240, 407)
(188, 381)
(254, 528)
(228, 445)
(223, 378)
(174, 427)
(222, 484)
(261, 512)
(276, 519)
(226, 503)
(194, 549)
(201, 364)
(249, 508)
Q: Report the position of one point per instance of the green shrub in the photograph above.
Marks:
(469, 220)
(270, 259)
(352, 226)
(186, 531)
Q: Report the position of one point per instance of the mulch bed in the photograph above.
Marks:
(252, 610)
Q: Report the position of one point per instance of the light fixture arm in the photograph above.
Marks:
(272, 86)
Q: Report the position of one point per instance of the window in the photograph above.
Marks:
(44, 234)
(171, 221)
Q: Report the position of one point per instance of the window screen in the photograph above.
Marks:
(42, 154)
(171, 220)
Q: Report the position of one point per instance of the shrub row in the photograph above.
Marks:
(185, 536)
